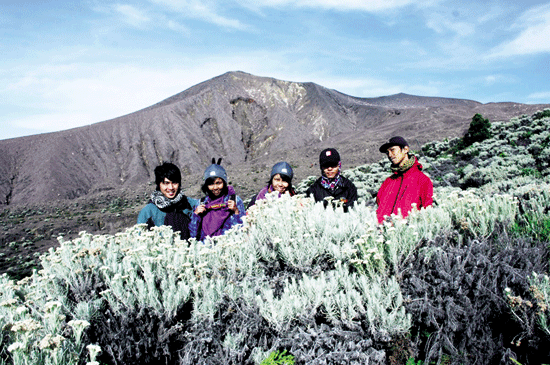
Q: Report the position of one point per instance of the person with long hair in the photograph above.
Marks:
(220, 209)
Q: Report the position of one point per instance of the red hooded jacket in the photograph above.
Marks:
(401, 190)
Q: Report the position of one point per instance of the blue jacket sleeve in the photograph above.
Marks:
(193, 202)
(144, 214)
(194, 225)
(235, 219)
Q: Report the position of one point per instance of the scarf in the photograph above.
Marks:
(407, 165)
(173, 208)
(331, 184)
(163, 202)
(216, 214)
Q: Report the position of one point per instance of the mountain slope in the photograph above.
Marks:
(250, 121)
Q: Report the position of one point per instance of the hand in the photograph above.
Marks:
(231, 205)
(200, 209)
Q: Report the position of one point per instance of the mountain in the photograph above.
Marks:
(250, 121)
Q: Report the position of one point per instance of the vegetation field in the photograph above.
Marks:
(462, 282)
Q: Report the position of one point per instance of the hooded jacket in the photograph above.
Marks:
(218, 218)
(399, 191)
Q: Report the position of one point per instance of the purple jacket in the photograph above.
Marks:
(218, 218)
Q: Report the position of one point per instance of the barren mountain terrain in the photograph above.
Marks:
(97, 177)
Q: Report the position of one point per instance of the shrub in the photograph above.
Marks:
(542, 114)
(479, 130)
(326, 286)
(454, 293)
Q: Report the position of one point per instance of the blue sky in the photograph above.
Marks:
(70, 63)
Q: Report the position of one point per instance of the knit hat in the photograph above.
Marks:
(282, 168)
(394, 141)
(329, 157)
(215, 170)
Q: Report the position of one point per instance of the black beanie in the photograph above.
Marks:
(329, 157)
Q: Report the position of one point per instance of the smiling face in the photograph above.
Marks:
(398, 155)
(216, 187)
(169, 188)
(279, 184)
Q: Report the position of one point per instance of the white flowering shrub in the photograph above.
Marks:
(324, 285)
(35, 329)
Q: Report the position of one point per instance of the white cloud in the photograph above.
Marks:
(177, 27)
(534, 38)
(359, 87)
(491, 80)
(80, 94)
(200, 9)
(132, 15)
(361, 5)
(442, 24)
(369, 87)
(543, 95)
(464, 19)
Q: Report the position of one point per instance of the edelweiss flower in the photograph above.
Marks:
(94, 350)
(16, 346)
(26, 326)
(78, 324)
(48, 307)
(50, 342)
(8, 302)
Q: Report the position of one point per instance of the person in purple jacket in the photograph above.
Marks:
(220, 209)
(280, 180)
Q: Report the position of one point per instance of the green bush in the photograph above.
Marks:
(529, 225)
(479, 130)
(542, 114)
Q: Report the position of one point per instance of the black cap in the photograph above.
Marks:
(329, 157)
(394, 141)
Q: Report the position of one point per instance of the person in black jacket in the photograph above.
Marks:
(332, 183)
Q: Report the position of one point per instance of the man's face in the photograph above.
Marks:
(169, 188)
(398, 155)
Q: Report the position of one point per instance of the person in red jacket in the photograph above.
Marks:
(407, 184)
